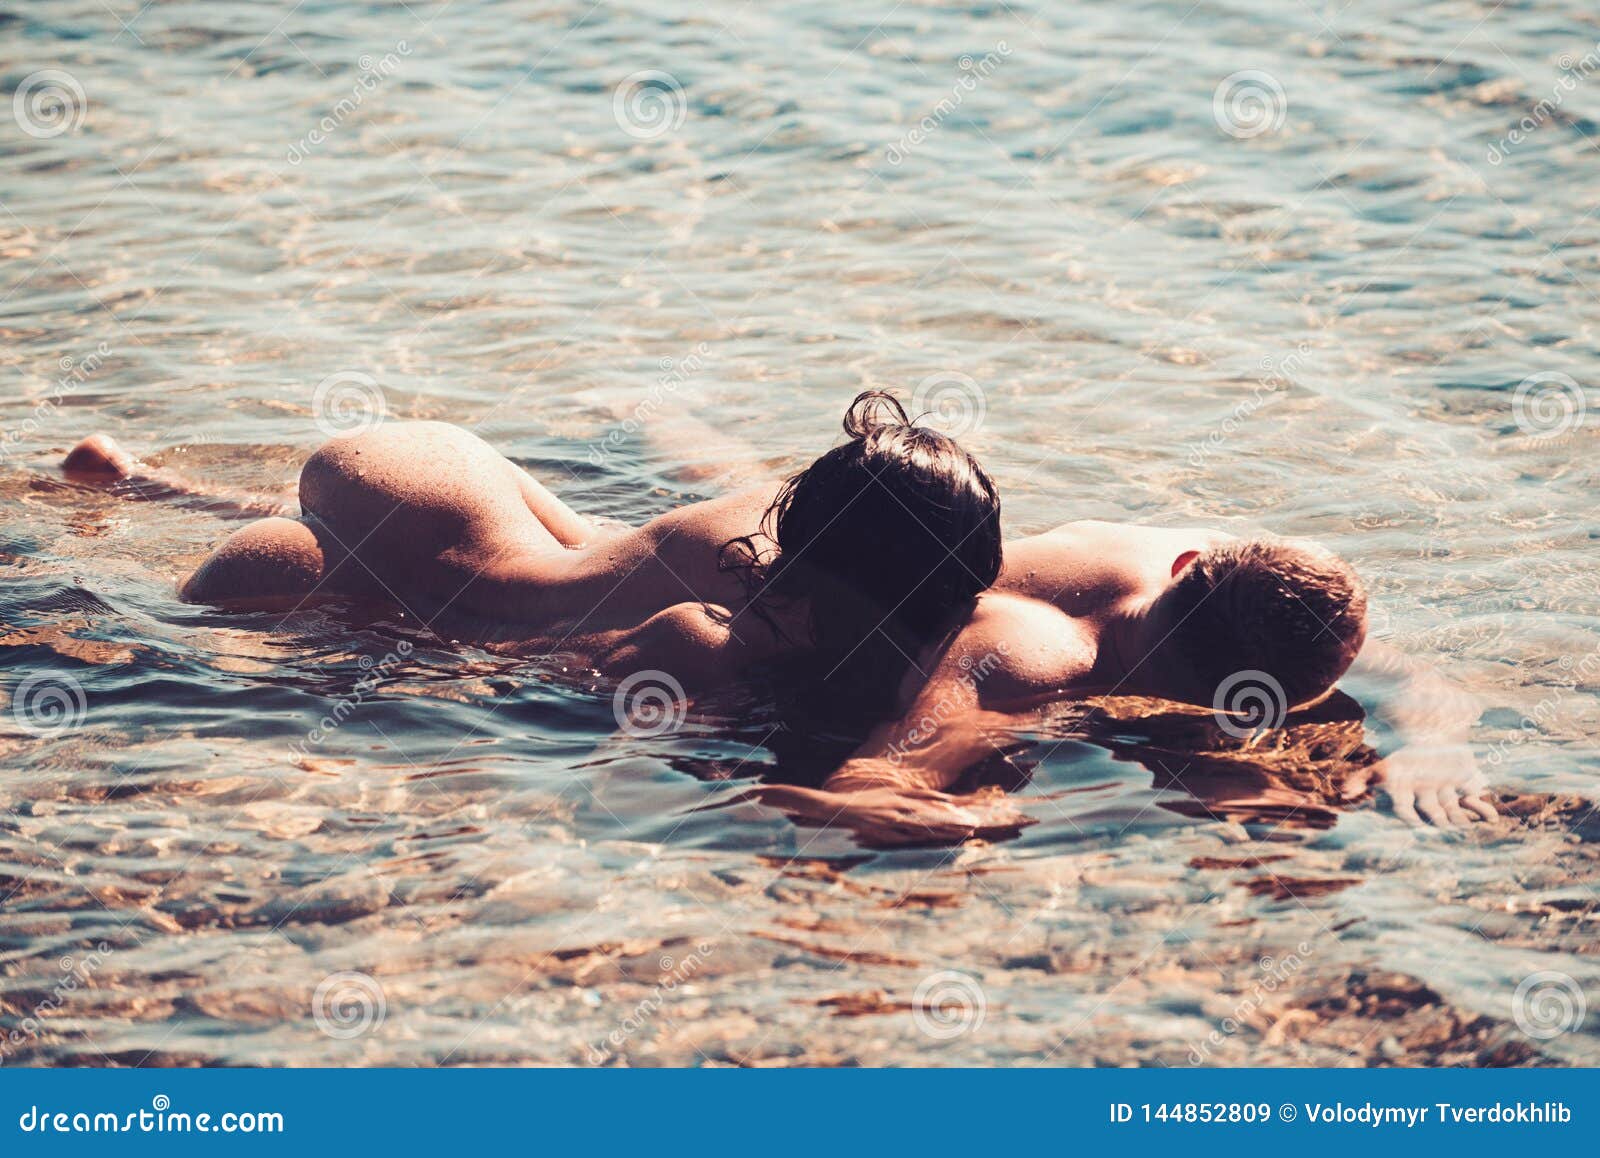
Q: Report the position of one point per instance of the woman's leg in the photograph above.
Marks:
(269, 563)
(101, 457)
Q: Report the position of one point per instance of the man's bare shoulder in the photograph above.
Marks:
(1019, 649)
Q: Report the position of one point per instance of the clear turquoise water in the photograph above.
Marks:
(1316, 330)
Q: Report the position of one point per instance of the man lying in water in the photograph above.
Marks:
(877, 571)
(1251, 629)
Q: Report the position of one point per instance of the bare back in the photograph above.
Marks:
(1087, 568)
(432, 517)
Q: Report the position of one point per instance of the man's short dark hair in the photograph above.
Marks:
(1297, 614)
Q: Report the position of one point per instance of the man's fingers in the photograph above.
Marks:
(1482, 807)
(1452, 807)
(1359, 782)
(1405, 805)
(1431, 807)
(1003, 823)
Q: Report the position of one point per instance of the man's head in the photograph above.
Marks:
(1295, 613)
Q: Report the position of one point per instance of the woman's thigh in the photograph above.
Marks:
(269, 560)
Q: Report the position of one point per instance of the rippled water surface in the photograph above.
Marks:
(1306, 311)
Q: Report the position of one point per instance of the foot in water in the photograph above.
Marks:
(99, 454)
(102, 458)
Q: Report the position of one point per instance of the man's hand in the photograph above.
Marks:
(887, 817)
(1441, 783)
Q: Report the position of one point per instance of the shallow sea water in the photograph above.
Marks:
(1027, 212)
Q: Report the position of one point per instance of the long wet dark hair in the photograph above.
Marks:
(887, 540)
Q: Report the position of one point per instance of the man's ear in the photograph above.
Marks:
(1183, 561)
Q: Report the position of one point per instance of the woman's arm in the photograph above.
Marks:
(900, 796)
(894, 789)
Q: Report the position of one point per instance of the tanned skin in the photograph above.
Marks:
(429, 516)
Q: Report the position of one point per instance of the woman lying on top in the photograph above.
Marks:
(877, 571)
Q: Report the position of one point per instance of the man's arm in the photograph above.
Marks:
(713, 461)
(1433, 770)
